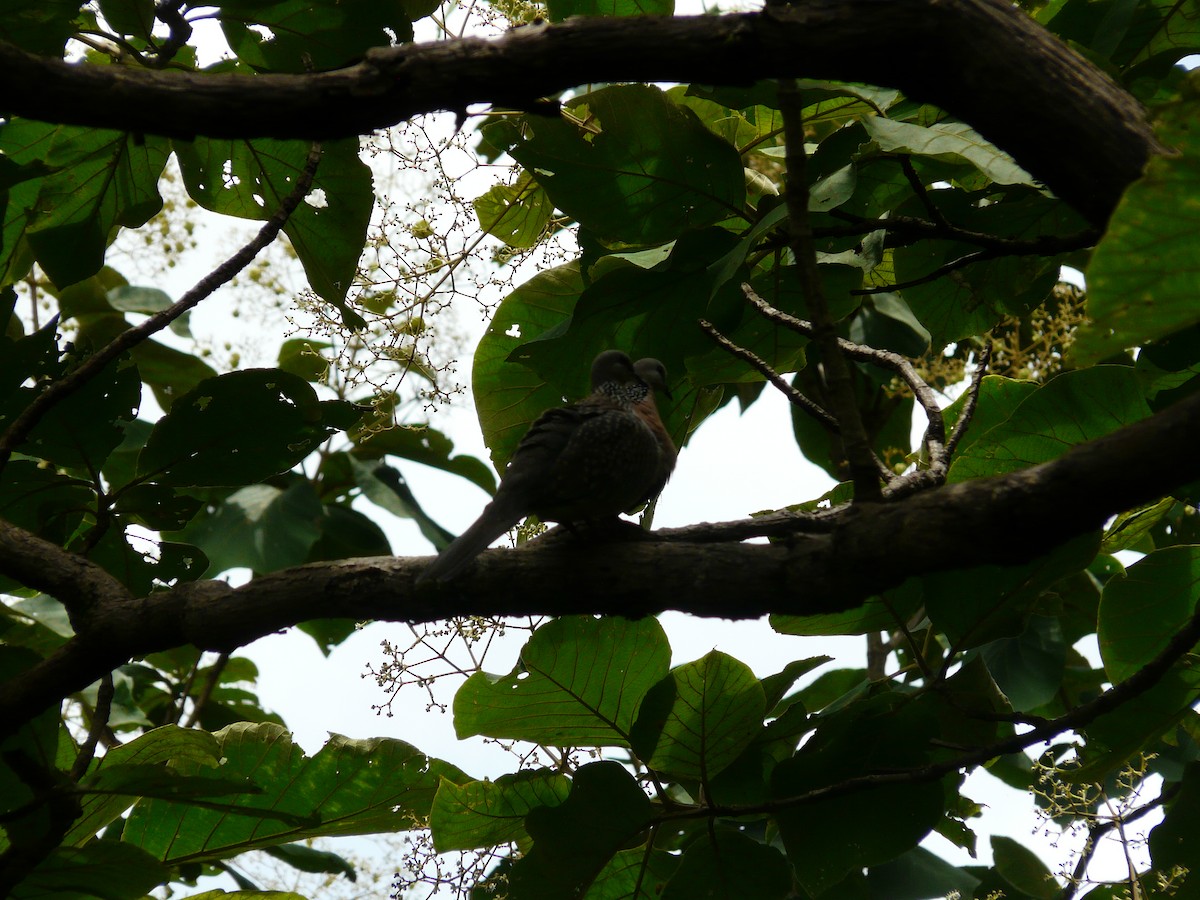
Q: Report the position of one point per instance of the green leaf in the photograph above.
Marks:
(143, 566)
(870, 826)
(347, 533)
(1022, 869)
(634, 875)
(949, 141)
(717, 710)
(509, 396)
(1176, 840)
(260, 527)
(976, 606)
(300, 36)
(134, 18)
(579, 683)
(427, 446)
(1073, 408)
(999, 398)
(917, 875)
(82, 429)
(486, 813)
(302, 357)
(729, 865)
(517, 214)
(237, 429)
(1141, 611)
(385, 487)
(574, 841)
(106, 870)
(977, 295)
(643, 170)
(1137, 290)
(157, 506)
(39, 26)
(147, 301)
(310, 859)
(250, 179)
(100, 180)
(1029, 668)
(148, 751)
(348, 787)
(564, 9)
(876, 614)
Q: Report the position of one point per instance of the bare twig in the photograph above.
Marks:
(24, 423)
(968, 410)
(794, 396)
(914, 181)
(214, 676)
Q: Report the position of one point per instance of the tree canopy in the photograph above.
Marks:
(859, 203)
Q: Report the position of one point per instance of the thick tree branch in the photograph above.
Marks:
(982, 60)
(845, 557)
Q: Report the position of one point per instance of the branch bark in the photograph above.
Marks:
(853, 554)
(1034, 86)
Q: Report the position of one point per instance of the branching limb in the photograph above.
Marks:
(794, 396)
(24, 423)
(935, 432)
(79, 584)
(863, 469)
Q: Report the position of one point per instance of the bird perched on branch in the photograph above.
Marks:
(596, 458)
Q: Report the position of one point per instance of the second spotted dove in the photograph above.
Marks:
(596, 458)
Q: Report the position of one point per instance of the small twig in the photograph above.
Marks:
(29, 417)
(914, 181)
(855, 443)
(968, 410)
(794, 396)
(955, 264)
(1100, 829)
(100, 714)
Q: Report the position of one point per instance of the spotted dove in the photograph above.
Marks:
(596, 458)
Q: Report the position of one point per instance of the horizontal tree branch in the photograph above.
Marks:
(982, 60)
(827, 566)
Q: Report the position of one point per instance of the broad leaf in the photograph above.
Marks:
(487, 813)
(1137, 290)
(240, 428)
(250, 179)
(579, 683)
(642, 170)
(348, 787)
(717, 709)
